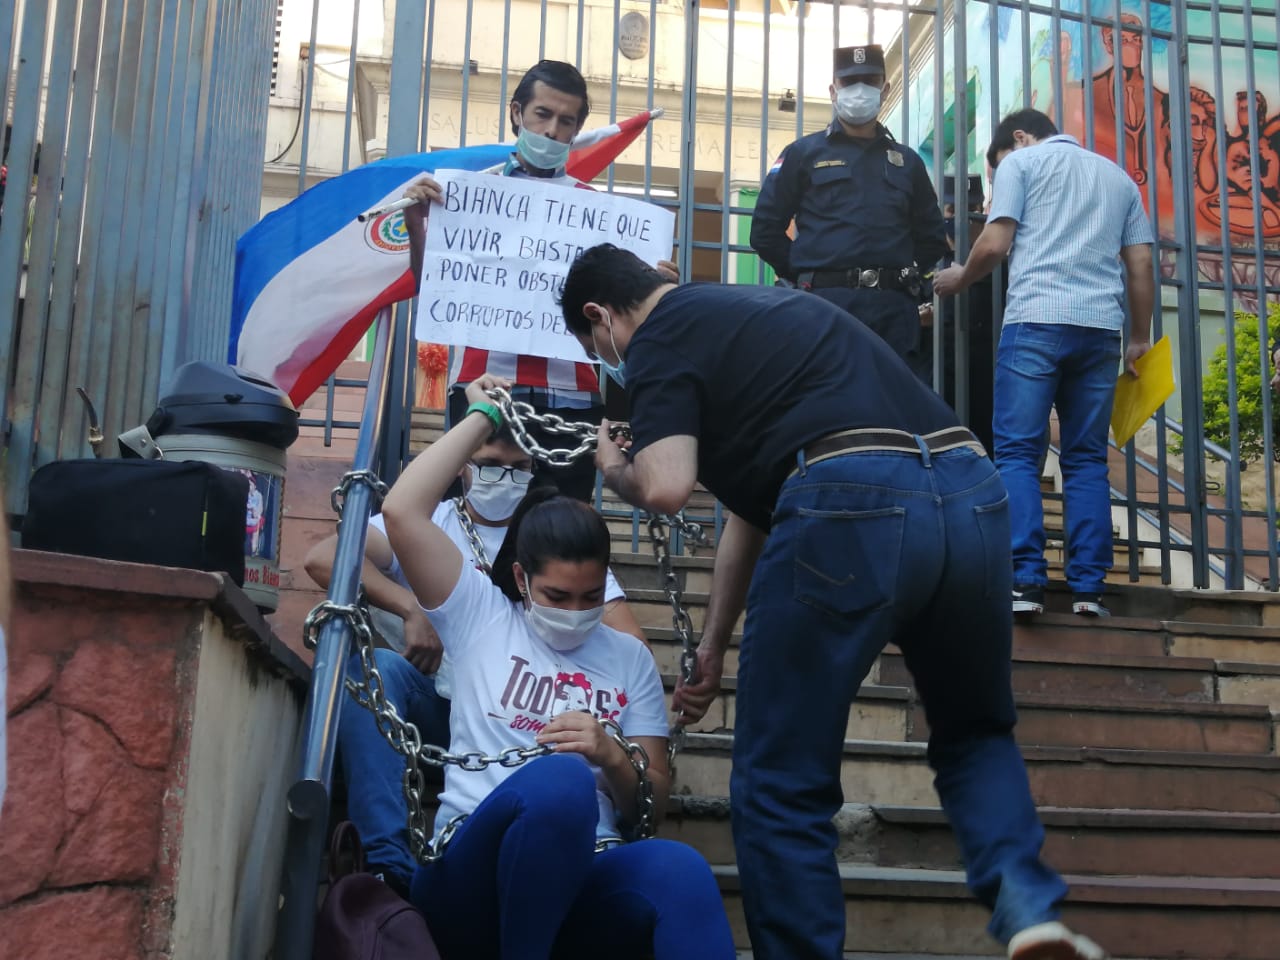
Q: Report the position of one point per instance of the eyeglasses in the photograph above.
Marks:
(491, 473)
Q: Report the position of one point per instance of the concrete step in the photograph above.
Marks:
(896, 774)
(898, 911)
(1079, 841)
(891, 713)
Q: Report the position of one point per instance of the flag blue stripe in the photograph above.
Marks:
(284, 235)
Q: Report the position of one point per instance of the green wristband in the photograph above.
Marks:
(489, 410)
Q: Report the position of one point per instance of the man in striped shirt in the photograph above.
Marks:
(547, 111)
(1080, 242)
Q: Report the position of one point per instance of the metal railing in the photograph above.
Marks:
(134, 140)
(310, 798)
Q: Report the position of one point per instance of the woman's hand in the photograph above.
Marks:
(477, 391)
(580, 732)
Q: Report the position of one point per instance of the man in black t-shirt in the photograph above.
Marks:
(862, 514)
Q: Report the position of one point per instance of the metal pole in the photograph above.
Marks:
(308, 797)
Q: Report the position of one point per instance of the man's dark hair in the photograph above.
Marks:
(1029, 121)
(605, 274)
(549, 526)
(557, 75)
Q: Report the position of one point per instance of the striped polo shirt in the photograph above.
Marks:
(1074, 210)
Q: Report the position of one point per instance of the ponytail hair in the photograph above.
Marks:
(546, 526)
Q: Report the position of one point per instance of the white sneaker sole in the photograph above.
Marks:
(1090, 610)
(1053, 941)
(1027, 606)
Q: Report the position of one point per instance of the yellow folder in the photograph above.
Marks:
(1137, 398)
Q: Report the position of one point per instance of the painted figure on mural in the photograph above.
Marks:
(1133, 107)
(1239, 170)
(1203, 118)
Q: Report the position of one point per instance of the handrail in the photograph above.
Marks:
(308, 797)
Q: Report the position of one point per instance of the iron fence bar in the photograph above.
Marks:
(308, 797)
(613, 79)
(960, 111)
(1264, 335)
(764, 118)
(23, 131)
(1188, 313)
(55, 437)
(939, 113)
(152, 273)
(8, 26)
(1025, 7)
(1086, 78)
(351, 86)
(688, 138)
(177, 346)
(466, 74)
(39, 343)
(308, 94)
(1235, 559)
(1157, 320)
(1055, 62)
(727, 172)
(997, 275)
(649, 95)
(542, 32)
(904, 39)
(801, 14)
(502, 81)
(424, 127)
(128, 345)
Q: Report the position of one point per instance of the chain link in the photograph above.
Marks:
(473, 535)
(516, 414)
(351, 477)
(404, 738)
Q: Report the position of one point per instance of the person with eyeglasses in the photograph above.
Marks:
(415, 673)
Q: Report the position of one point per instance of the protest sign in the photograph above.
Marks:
(498, 250)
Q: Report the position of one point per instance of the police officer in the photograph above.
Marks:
(982, 322)
(868, 227)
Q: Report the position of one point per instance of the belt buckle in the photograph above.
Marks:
(869, 278)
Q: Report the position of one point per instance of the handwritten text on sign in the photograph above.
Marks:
(498, 250)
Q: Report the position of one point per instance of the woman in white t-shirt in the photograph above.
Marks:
(533, 664)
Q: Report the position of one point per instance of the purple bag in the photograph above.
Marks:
(362, 918)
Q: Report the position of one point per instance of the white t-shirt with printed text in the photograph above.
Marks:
(445, 517)
(508, 684)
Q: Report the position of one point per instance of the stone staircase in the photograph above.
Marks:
(1150, 743)
(1150, 746)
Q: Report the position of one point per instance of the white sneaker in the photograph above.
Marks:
(1053, 941)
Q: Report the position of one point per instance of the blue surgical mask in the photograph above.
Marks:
(617, 374)
(540, 151)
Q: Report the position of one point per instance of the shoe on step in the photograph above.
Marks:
(1089, 605)
(1028, 598)
(1053, 941)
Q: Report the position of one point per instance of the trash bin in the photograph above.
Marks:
(239, 421)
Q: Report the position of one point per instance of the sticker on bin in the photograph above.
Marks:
(262, 528)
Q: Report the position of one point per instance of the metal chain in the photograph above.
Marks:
(473, 535)
(404, 737)
(368, 477)
(516, 414)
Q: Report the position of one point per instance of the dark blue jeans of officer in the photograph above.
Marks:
(866, 549)
(892, 315)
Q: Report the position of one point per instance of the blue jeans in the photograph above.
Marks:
(373, 771)
(1040, 366)
(868, 549)
(520, 879)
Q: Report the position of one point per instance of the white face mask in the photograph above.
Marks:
(857, 103)
(496, 500)
(561, 630)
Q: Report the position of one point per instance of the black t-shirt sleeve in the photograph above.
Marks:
(665, 393)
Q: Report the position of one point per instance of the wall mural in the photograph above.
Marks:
(1123, 118)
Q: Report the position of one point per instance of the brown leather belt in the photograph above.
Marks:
(871, 439)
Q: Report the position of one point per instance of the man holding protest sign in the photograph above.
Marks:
(547, 110)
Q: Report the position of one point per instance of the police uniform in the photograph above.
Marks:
(867, 220)
(982, 323)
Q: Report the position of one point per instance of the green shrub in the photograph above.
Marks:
(1250, 384)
